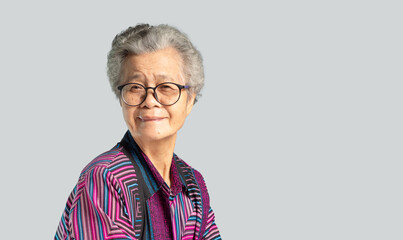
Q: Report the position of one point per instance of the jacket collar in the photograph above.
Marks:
(180, 177)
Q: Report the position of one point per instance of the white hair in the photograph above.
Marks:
(144, 38)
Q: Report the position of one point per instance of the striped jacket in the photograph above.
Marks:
(120, 196)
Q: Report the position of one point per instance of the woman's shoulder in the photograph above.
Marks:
(194, 177)
(106, 160)
(186, 167)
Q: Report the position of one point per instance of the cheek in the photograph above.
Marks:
(128, 116)
(179, 118)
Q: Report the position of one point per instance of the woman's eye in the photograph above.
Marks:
(166, 87)
(135, 88)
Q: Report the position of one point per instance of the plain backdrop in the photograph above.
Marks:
(298, 132)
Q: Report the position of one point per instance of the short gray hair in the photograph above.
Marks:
(144, 38)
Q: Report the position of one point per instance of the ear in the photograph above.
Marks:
(190, 102)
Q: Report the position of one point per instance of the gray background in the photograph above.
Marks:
(298, 133)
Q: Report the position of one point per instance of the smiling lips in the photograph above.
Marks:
(150, 118)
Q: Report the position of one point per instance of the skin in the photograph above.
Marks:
(153, 126)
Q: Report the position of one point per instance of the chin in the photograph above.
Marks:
(153, 134)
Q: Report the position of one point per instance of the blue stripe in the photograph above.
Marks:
(65, 226)
(80, 224)
(119, 165)
(201, 206)
(145, 176)
(106, 193)
(176, 212)
(150, 225)
(100, 230)
(206, 232)
(134, 184)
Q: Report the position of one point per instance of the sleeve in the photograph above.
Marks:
(96, 209)
(211, 232)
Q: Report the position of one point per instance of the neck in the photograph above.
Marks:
(160, 153)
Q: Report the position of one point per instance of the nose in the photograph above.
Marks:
(150, 101)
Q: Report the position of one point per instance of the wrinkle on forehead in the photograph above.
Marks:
(157, 78)
(160, 66)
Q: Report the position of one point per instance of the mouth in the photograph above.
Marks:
(150, 118)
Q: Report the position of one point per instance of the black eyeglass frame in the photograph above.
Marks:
(154, 92)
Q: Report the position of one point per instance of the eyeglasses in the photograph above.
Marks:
(167, 93)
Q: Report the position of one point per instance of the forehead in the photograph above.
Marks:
(162, 63)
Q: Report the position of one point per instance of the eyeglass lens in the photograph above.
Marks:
(166, 93)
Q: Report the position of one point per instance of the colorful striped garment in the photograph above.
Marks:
(120, 195)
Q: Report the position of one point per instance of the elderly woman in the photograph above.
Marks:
(140, 189)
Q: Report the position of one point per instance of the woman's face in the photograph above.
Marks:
(150, 120)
